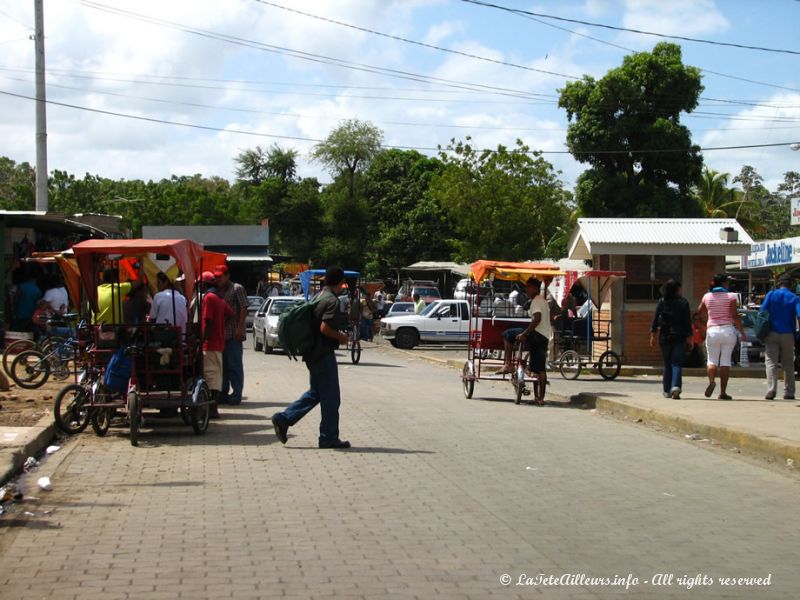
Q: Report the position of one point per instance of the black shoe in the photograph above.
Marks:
(770, 396)
(724, 397)
(334, 444)
(281, 427)
(788, 396)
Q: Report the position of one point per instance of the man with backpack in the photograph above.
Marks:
(320, 359)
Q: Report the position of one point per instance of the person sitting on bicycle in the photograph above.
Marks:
(537, 334)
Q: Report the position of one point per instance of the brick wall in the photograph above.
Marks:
(704, 268)
(637, 339)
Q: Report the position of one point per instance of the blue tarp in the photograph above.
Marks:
(307, 276)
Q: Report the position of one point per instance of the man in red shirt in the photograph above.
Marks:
(215, 312)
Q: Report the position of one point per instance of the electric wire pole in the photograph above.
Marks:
(41, 110)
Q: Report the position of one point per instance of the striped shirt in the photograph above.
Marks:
(718, 305)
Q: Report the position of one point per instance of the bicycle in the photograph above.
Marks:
(43, 345)
(354, 343)
(31, 369)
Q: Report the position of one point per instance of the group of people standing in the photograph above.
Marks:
(672, 328)
(221, 315)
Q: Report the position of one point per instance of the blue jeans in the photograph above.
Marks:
(232, 373)
(673, 354)
(323, 390)
(366, 329)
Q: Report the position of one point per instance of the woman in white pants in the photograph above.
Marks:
(723, 321)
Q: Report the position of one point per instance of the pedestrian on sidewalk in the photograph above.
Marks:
(783, 307)
(322, 368)
(235, 334)
(673, 323)
(215, 311)
(719, 305)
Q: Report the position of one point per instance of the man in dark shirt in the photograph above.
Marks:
(322, 368)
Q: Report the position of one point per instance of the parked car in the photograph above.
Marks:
(441, 321)
(398, 309)
(427, 291)
(755, 352)
(265, 323)
(253, 304)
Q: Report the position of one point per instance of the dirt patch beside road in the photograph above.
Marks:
(24, 408)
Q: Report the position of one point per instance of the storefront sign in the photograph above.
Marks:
(772, 253)
(795, 208)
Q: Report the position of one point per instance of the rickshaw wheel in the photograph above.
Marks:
(609, 364)
(355, 352)
(569, 364)
(29, 370)
(101, 420)
(70, 409)
(467, 381)
(201, 412)
(186, 415)
(133, 416)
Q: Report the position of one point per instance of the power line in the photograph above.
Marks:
(309, 56)
(640, 31)
(17, 21)
(400, 147)
(416, 42)
(329, 118)
(613, 45)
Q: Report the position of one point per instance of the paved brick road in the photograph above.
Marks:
(438, 499)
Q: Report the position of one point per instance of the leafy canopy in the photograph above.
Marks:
(621, 124)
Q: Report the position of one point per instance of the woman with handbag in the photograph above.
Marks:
(673, 323)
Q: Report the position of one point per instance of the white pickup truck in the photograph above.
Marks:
(441, 321)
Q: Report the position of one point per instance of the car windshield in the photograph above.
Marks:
(430, 309)
(278, 306)
(427, 292)
(254, 302)
(402, 307)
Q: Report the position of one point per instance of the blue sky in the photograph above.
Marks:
(107, 61)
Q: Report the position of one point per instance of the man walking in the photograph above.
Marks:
(784, 308)
(232, 359)
(215, 313)
(322, 368)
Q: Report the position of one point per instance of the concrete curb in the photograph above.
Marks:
(31, 443)
(772, 450)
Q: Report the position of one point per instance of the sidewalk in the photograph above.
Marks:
(768, 430)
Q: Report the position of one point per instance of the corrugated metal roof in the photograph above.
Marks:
(658, 231)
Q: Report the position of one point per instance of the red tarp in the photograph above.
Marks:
(189, 256)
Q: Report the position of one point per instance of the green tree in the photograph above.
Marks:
(17, 185)
(621, 126)
(506, 204)
(405, 224)
(348, 150)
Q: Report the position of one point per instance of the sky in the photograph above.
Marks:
(247, 72)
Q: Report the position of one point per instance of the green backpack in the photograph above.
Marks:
(298, 329)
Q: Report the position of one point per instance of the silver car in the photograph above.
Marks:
(265, 322)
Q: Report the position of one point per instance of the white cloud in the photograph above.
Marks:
(672, 17)
(758, 125)
(441, 31)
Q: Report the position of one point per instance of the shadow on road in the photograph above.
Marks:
(364, 450)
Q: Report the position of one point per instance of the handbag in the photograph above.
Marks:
(762, 327)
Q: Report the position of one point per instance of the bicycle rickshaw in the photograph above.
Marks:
(585, 342)
(488, 321)
(311, 282)
(166, 363)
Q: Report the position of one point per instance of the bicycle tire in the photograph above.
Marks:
(72, 413)
(30, 370)
(569, 364)
(101, 420)
(609, 364)
(16, 348)
(134, 416)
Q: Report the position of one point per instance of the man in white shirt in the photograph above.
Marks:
(56, 296)
(380, 303)
(537, 335)
(169, 305)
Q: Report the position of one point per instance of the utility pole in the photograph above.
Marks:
(41, 110)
